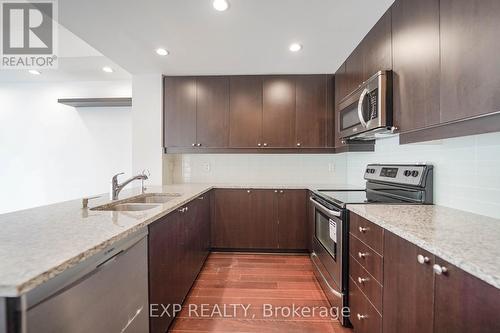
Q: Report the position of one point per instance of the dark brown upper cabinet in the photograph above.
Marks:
(196, 111)
(212, 111)
(415, 44)
(251, 113)
(373, 54)
(312, 114)
(354, 69)
(245, 105)
(179, 111)
(470, 65)
(377, 47)
(278, 125)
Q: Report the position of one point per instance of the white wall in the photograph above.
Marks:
(50, 152)
(466, 169)
(258, 169)
(147, 110)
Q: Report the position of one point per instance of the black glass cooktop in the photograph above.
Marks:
(342, 198)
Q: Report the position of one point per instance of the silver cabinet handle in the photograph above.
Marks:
(265, 144)
(193, 144)
(281, 191)
(298, 144)
(422, 260)
(361, 317)
(362, 280)
(259, 144)
(198, 145)
(439, 270)
(201, 198)
(363, 229)
(275, 191)
(362, 255)
(248, 191)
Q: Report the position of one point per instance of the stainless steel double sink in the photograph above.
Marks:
(138, 203)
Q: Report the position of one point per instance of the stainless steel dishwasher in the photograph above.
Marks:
(106, 293)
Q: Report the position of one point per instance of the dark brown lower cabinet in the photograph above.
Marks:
(260, 219)
(293, 231)
(408, 287)
(416, 299)
(178, 246)
(463, 303)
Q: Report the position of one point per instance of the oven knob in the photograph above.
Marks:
(368, 170)
(414, 173)
(407, 173)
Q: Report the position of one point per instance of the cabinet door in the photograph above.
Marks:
(293, 229)
(377, 48)
(354, 69)
(212, 111)
(245, 122)
(179, 111)
(415, 42)
(231, 225)
(408, 287)
(463, 303)
(279, 111)
(167, 283)
(263, 226)
(470, 65)
(311, 108)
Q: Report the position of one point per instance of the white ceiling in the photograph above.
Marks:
(77, 61)
(252, 37)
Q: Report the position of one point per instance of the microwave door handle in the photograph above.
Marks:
(360, 107)
(324, 209)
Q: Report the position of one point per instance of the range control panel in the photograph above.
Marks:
(411, 174)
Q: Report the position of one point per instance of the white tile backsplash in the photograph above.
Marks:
(466, 169)
(255, 168)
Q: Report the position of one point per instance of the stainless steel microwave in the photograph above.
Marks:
(367, 110)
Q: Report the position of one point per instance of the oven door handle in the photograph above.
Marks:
(360, 107)
(332, 290)
(324, 209)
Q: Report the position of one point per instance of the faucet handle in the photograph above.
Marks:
(146, 173)
(115, 177)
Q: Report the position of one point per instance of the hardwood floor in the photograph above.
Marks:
(242, 292)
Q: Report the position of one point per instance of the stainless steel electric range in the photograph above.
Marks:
(385, 184)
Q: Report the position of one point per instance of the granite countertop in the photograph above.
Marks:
(469, 241)
(39, 243)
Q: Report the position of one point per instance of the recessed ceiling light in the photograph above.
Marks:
(220, 5)
(107, 69)
(34, 72)
(162, 52)
(295, 47)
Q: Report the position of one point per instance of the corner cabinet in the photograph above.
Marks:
(180, 237)
(251, 219)
(254, 113)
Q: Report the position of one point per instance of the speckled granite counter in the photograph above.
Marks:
(39, 243)
(468, 241)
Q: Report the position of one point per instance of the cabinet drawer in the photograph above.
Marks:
(364, 317)
(366, 283)
(371, 234)
(366, 257)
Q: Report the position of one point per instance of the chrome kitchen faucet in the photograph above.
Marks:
(116, 188)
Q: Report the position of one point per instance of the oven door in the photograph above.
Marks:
(328, 231)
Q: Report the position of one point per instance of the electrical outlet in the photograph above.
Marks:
(331, 167)
(206, 166)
